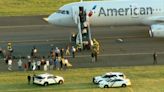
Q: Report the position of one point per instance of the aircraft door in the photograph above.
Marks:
(75, 13)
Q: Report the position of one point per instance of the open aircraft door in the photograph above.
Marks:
(75, 13)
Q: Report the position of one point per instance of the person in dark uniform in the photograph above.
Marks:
(29, 79)
(82, 15)
(155, 58)
(93, 57)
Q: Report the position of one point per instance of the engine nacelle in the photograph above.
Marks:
(157, 30)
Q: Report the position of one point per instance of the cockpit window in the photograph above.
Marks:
(63, 11)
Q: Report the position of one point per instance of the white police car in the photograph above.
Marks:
(106, 76)
(118, 82)
(46, 79)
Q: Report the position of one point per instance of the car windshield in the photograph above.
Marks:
(121, 75)
(39, 77)
(109, 76)
(104, 76)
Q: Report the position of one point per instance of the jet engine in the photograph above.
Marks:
(156, 30)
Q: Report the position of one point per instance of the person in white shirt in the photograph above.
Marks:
(10, 64)
(73, 51)
(20, 64)
(38, 64)
(48, 64)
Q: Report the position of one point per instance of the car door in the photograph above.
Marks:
(117, 83)
(51, 79)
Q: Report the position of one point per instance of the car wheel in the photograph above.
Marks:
(46, 83)
(123, 85)
(60, 82)
(106, 86)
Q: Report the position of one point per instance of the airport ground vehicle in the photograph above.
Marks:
(46, 79)
(109, 75)
(118, 82)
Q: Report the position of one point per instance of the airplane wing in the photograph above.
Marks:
(157, 19)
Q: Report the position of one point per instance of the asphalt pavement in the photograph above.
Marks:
(136, 49)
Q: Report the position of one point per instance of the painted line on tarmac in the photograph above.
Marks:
(26, 41)
(120, 54)
(122, 37)
(22, 26)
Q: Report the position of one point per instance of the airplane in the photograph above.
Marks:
(114, 13)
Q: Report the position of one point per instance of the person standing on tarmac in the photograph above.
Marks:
(96, 45)
(57, 52)
(10, 64)
(67, 52)
(73, 51)
(29, 79)
(19, 64)
(94, 54)
(93, 57)
(9, 48)
(62, 52)
(155, 58)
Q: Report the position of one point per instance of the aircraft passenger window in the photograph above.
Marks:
(59, 11)
(67, 12)
(63, 11)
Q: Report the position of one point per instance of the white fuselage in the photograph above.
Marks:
(111, 13)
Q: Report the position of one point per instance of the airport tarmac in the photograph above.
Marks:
(135, 50)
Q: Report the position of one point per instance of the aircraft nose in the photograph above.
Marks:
(53, 18)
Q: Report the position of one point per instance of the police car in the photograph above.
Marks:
(46, 79)
(107, 76)
(118, 82)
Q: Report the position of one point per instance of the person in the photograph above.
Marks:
(155, 58)
(67, 51)
(9, 47)
(10, 64)
(20, 64)
(61, 63)
(73, 51)
(29, 79)
(96, 45)
(57, 52)
(52, 52)
(93, 57)
(65, 62)
(38, 64)
(1, 53)
(34, 52)
(58, 63)
(33, 65)
(29, 62)
(25, 67)
(43, 60)
(33, 77)
(73, 37)
(48, 64)
(82, 15)
(51, 63)
(94, 54)
(62, 52)
(79, 48)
